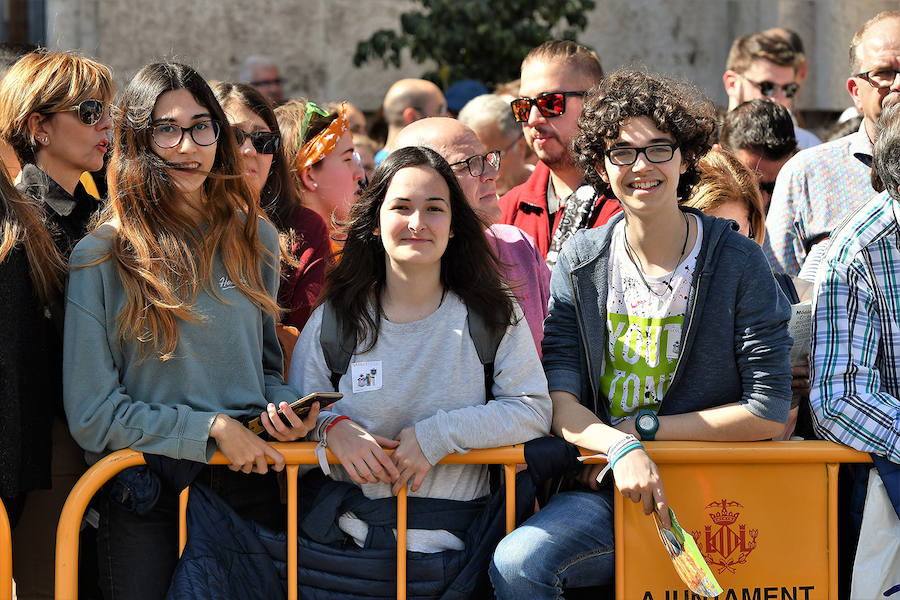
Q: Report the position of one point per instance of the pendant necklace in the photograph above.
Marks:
(636, 260)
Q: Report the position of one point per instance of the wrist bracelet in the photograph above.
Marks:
(335, 422)
(621, 448)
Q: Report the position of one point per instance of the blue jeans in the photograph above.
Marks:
(568, 544)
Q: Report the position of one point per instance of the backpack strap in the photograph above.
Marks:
(486, 342)
(338, 343)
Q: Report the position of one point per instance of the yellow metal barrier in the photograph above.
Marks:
(6, 581)
(300, 453)
(698, 476)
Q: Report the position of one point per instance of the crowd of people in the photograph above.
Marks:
(596, 259)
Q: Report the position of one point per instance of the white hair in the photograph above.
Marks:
(490, 108)
(251, 63)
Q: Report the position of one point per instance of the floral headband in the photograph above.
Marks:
(323, 143)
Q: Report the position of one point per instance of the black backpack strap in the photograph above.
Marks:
(338, 343)
(486, 342)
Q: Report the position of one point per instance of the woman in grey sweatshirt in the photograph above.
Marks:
(416, 266)
(170, 325)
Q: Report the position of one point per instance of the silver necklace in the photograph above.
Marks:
(636, 260)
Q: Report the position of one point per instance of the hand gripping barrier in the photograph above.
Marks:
(5, 555)
(788, 489)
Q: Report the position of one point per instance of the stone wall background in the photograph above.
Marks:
(313, 40)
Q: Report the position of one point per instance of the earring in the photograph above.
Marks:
(44, 139)
(315, 185)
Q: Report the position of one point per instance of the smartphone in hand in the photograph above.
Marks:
(300, 407)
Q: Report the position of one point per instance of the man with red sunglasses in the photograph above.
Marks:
(555, 201)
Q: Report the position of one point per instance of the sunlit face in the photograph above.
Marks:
(549, 137)
(338, 176)
(765, 70)
(511, 159)
(72, 147)
(644, 187)
(737, 212)
(414, 219)
(481, 191)
(879, 48)
(256, 165)
(189, 162)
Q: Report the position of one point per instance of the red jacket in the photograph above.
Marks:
(525, 206)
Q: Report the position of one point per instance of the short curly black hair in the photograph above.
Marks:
(675, 106)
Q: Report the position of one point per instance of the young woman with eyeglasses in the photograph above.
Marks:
(319, 146)
(664, 324)
(170, 338)
(54, 113)
(267, 170)
(415, 267)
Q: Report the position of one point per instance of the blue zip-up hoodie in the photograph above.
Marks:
(734, 346)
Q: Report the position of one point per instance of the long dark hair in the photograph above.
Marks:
(469, 268)
(163, 259)
(279, 196)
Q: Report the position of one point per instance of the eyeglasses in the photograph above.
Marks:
(169, 135)
(276, 81)
(768, 187)
(90, 112)
(264, 142)
(879, 78)
(478, 163)
(655, 153)
(551, 104)
(769, 88)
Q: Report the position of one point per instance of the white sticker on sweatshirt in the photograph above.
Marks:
(366, 376)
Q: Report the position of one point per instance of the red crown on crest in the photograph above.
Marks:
(724, 517)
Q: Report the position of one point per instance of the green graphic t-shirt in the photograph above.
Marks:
(643, 329)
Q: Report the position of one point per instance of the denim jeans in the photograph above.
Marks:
(568, 544)
(137, 554)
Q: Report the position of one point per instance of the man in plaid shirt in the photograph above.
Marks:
(855, 392)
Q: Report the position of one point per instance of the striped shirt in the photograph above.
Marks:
(856, 333)
(814, 192)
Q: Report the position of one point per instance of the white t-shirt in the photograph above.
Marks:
(643, 328)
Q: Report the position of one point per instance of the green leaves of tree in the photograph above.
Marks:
(478, 39)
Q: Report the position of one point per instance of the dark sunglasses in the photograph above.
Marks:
(89, 111)
(769, 89)
(264, 142)
(551, 104)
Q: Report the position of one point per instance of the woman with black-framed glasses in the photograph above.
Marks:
(174, 296)
(255, 127)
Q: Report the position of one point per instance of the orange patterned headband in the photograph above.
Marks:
(324, 142)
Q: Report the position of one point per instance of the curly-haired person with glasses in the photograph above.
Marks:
(664, 324)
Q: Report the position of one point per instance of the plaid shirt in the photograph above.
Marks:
(856, 333)
(814, 192)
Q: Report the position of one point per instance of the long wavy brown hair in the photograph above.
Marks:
(162, 257)
(22, 222)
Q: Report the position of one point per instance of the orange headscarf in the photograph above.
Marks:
(323, 143)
